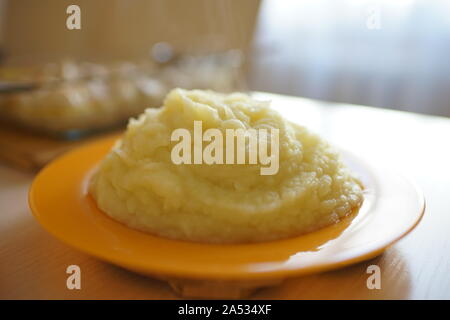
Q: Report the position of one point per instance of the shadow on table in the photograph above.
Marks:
(34, 267)
(348, 283)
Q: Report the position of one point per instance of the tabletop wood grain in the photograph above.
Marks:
(33, 263)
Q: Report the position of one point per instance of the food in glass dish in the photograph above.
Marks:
(71, 98)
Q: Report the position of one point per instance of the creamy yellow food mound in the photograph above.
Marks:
(139, 185)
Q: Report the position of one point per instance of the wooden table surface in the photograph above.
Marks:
(33, 263)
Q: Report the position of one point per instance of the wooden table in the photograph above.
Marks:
(33, 263)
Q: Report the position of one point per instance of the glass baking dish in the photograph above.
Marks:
(71, 99)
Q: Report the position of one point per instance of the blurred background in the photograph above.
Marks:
(383, 53)
(127, 55)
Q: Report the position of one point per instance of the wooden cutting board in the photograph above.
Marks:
(30, 152)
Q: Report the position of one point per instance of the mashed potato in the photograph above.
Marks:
(139, 185)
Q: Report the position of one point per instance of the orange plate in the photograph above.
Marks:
(59, 200)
